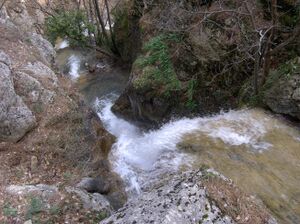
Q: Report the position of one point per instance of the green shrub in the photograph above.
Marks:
(9, 211)
(158, 70)
(69, 24)
(36, 206)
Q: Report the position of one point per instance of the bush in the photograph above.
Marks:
(157, 65)
(69, 24)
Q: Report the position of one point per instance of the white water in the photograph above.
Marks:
(136, 155)
(63, 44)
(74, 65)
(141, 156)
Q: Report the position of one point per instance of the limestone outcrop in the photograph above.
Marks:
(15, 117)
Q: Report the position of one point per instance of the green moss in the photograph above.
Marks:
(156, 64)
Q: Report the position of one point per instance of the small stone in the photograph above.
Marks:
(28, 222)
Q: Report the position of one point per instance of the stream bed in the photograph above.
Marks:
(260, 152)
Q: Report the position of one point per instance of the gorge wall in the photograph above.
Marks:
(195, 57)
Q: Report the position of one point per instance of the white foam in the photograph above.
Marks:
(74, 65)
(136, 151)
(63, 44)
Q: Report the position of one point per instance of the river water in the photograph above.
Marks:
(260, 152)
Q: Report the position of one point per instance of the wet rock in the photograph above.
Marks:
(15, 117)
(95, 202)
(181, 199)
(94, 185)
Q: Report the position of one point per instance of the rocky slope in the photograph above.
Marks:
(194, 56)
(47, 133)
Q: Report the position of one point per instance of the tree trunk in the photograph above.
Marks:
(268, 50)
(97, 8)
(115, 49)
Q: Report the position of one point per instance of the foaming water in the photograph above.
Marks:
(74, 66)
(258, 151)
(140, 156)
(62, 44)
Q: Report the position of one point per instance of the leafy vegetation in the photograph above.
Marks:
(158, 70)
(73, 25)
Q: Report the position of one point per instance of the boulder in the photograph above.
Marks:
(95, 202)
(32, 92)
(181, 199)
(283, 95)
(42, 190)
(94, 185)
(42, 73)
(15, 117)
(44, 47)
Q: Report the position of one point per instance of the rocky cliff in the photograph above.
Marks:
(195, 56)
(47, 133)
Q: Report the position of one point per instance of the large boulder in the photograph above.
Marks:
(44, 47)
(15, 117)
(32, 92)
(283, 89)
(189, 198)
(42, 73)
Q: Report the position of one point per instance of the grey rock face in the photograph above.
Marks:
(45, 191)
(45, 48)
(21, 18)
(95, 202)
(42, 73)
(32, 92)
(15, 117)
(181, 200)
